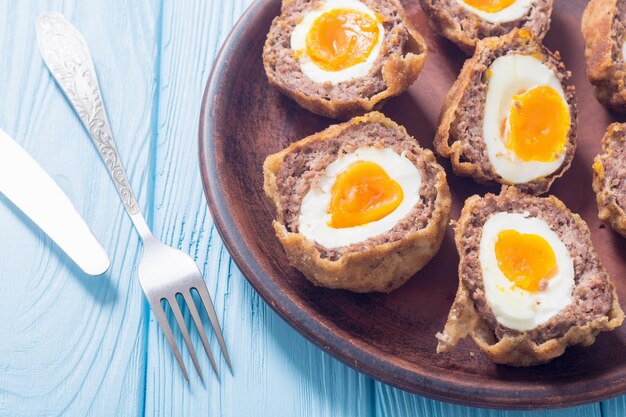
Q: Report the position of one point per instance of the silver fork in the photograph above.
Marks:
(163, 272)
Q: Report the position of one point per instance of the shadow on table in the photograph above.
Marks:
(99, 288)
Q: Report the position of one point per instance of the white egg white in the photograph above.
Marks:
(624, 51)
(310, 68)
(512, 306)
(511, 74)
(515, 11)
(314, 211)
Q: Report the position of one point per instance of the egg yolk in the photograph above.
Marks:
(489, 6)
(538, 125)
(525, 259)
(361, 194)
(341, 38)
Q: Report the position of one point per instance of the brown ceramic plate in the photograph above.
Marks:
(392, 337)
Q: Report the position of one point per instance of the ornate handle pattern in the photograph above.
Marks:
(67, 56)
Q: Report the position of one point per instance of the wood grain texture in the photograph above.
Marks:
(391, 402)
(614, 408)
(276, 371)
(71, 344)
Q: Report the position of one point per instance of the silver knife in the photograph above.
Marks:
(32, 190)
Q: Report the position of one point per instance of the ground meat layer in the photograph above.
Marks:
(286, 68)
(614, 162)
(618, 31)
(592, 294)
(467, 126)
(609, 88)
(302, 169)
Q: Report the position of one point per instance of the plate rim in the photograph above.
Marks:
(348, 353)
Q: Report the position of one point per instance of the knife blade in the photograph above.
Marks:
(30, 188)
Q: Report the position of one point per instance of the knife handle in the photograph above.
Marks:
(67, 55)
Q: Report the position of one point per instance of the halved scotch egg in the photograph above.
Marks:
(511, 115)
(360, 206)
(465, 22)
(340, 58)
(530, 281)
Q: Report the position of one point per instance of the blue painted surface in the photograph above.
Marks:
(79, 346)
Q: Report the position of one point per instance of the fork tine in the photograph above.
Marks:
(191, 305)
(167, 330)
(208, 305)
(183, 329)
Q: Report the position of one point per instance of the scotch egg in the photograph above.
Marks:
(511, 115)
(603, 26)
(360, 206)
(342, 58)
(530, 281)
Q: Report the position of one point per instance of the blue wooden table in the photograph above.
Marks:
(74, 345)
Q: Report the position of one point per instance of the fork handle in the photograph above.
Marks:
(67, 56)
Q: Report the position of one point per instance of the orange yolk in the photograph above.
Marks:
(525, 259)
(341, 38)
(489, 6)
(539, 125)
(361, 194)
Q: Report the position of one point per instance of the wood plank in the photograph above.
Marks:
(394, 402)
(72, 344)
(614, 408)
(276, 371)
